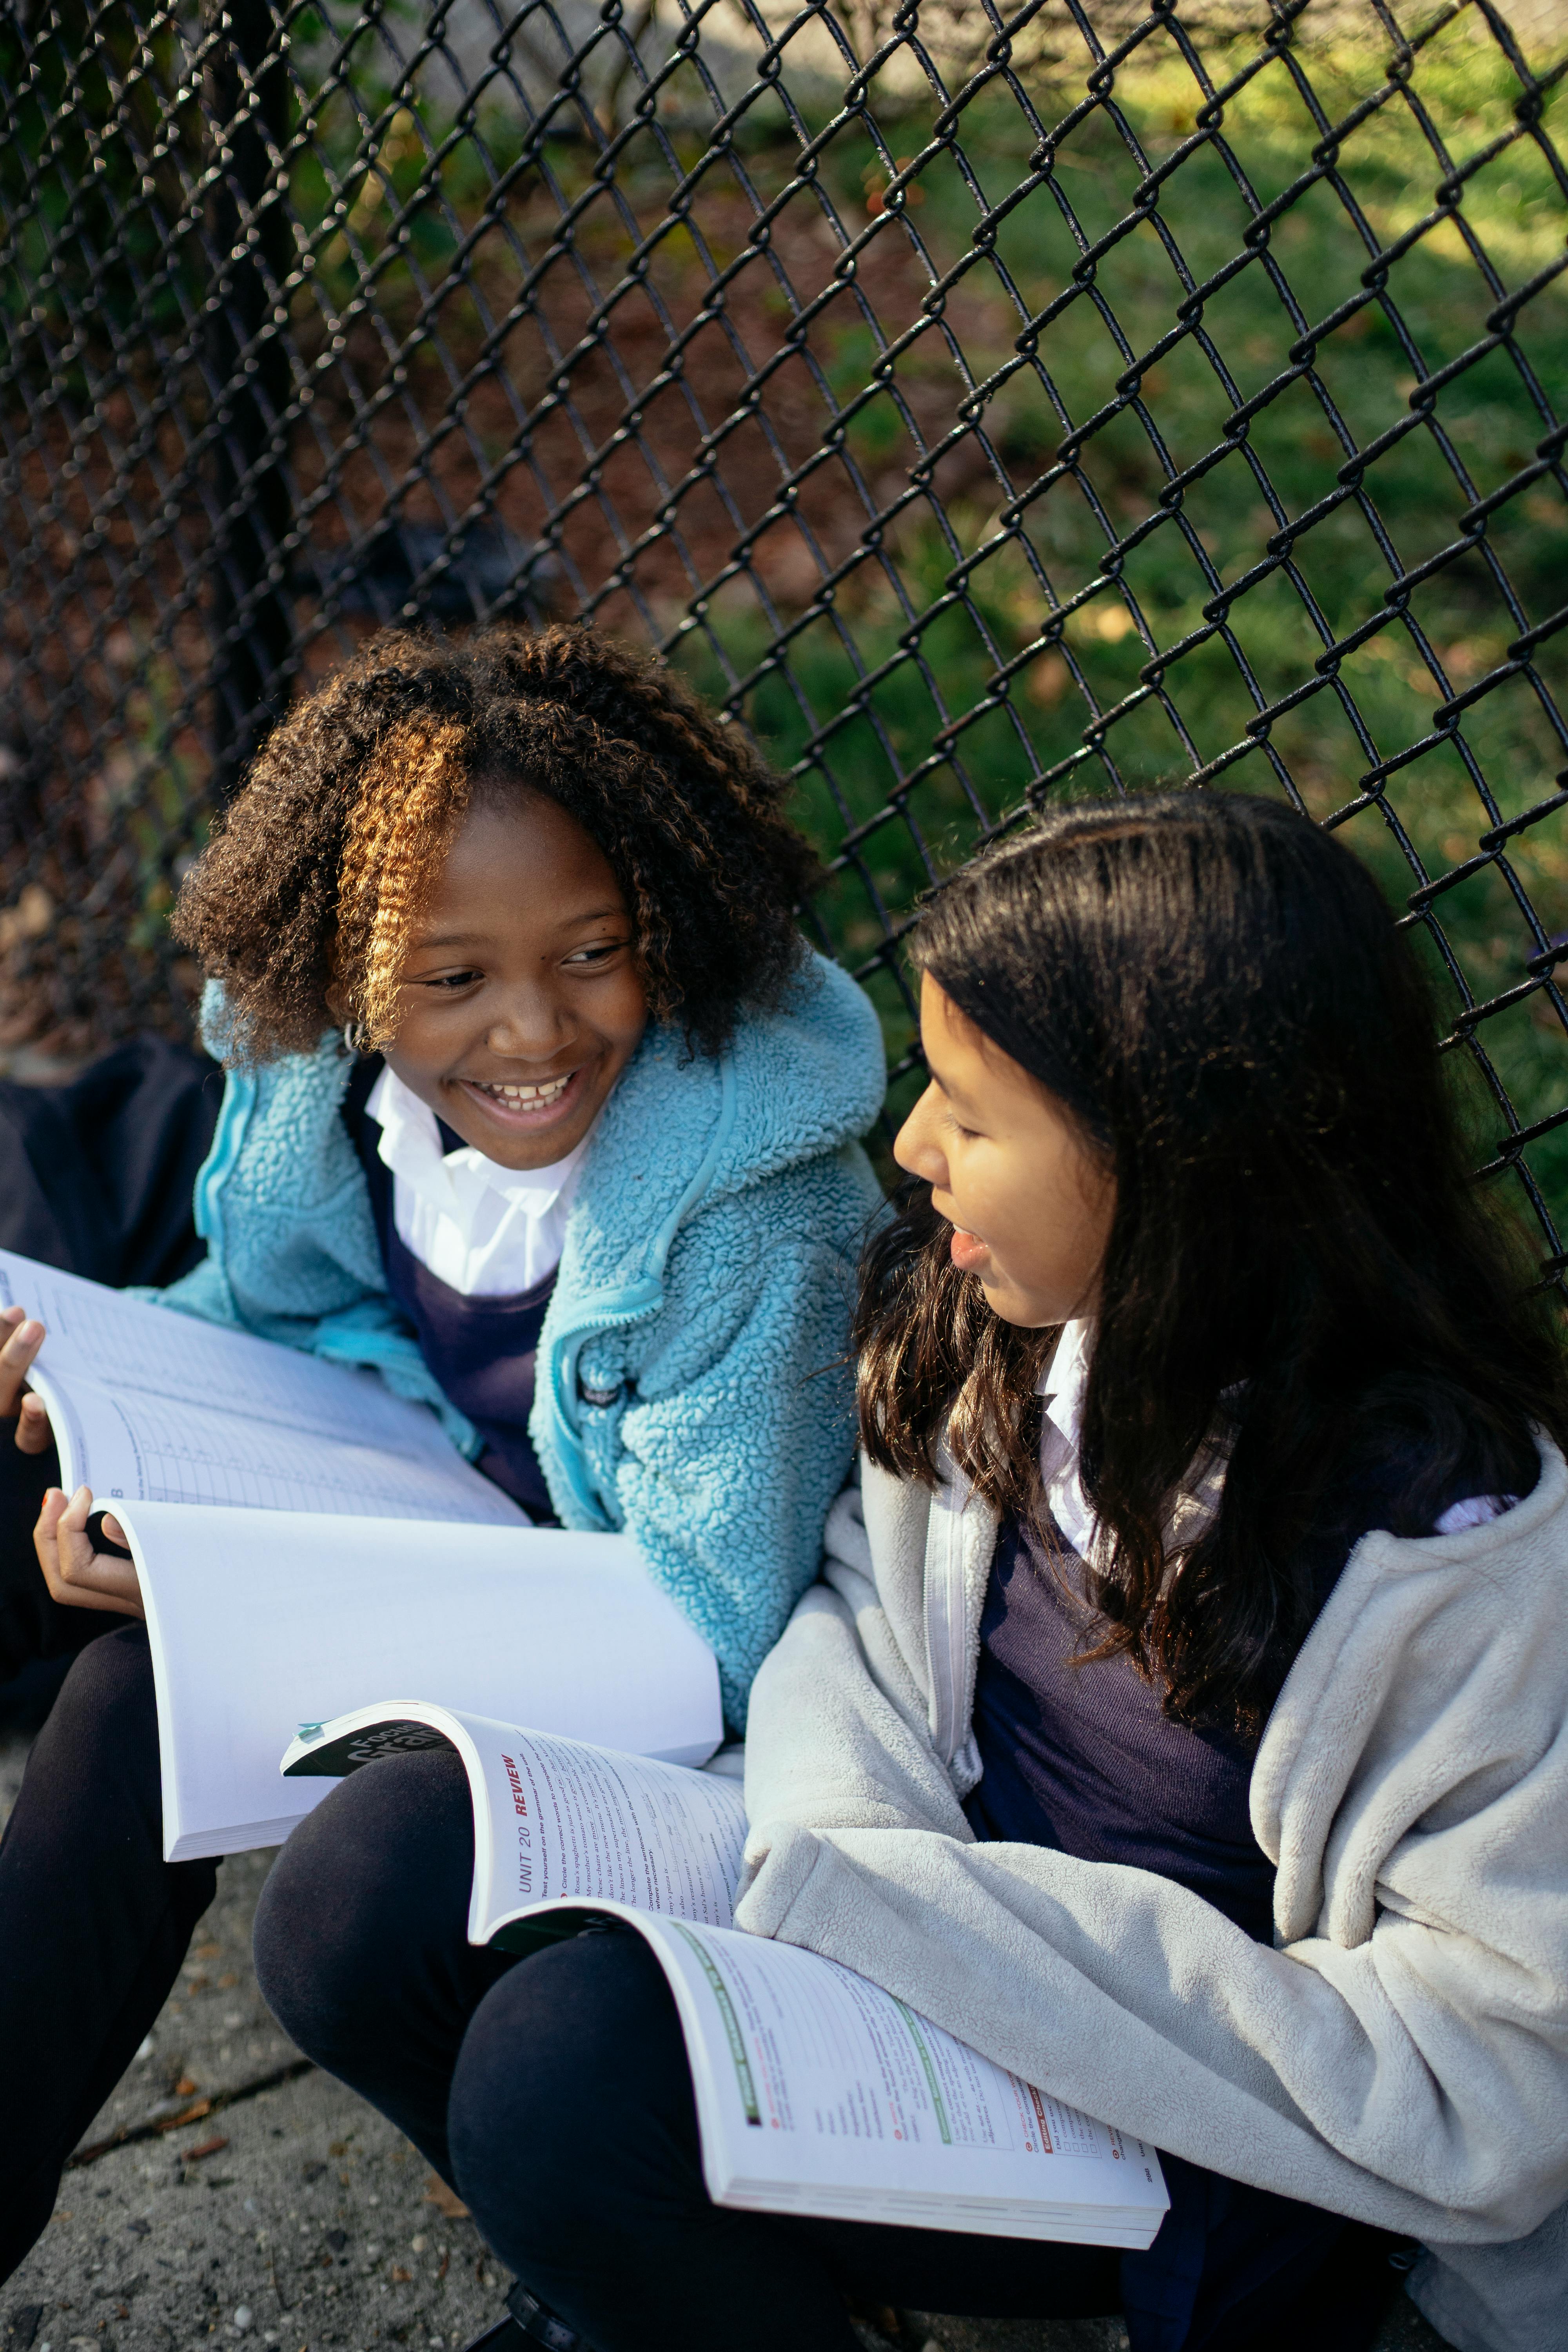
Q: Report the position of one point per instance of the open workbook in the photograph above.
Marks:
(817, 2092)
(302, 1536)
(153, 1405)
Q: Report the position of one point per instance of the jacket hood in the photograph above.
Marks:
(808, 1077)
(802, 1079)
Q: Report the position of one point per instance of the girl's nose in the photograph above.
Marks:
(916, 1148)
(530, 1026)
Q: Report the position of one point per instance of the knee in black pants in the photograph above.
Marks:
(572, 2106)
(381, 1869)
(573, 2129)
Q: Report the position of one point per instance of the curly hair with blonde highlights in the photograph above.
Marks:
(305, 899)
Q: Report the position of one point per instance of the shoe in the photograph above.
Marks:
(529, 2324)
(505, 2336)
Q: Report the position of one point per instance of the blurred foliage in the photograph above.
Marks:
(101, 143)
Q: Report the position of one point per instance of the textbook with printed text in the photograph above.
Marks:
(817, 2092)
(303, 1537)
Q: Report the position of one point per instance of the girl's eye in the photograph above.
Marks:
(448, 980)
(597, 953)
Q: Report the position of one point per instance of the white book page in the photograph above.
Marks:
(262, 1621)
(569, 1820)
(103, 1336)
(148, 1402)
(818, 2092)
(152, 1449)
(552, 1817)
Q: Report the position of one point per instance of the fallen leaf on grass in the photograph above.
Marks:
(446, 2201)
(400, 2277)
(185, 2087)
(207, 2148)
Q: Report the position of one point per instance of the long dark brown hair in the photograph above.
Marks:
(1215, 991)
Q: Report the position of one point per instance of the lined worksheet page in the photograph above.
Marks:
(149, 1403)
(99, 1335)
(154, 1450)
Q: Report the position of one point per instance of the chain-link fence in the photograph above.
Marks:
(983, 407)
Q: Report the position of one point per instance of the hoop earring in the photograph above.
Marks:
(354, 1036)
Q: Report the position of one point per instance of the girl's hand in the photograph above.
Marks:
(77, 1576)
(23, 1339)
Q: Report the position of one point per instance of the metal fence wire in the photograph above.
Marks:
(982, 408)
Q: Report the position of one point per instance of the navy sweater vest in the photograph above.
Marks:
(1082, 1757)
(482, 1350)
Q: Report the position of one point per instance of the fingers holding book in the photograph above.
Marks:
(77, 1574)
(24, 1335)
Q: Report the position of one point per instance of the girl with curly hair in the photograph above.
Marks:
(536, 1103)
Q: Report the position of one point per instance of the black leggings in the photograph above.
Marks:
(93, 1922)
(553, 2094)
(95, 1178)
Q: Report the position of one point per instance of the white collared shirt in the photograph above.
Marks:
(485, 1230)
(1061, 1386)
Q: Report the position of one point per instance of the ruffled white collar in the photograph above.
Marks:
(485, 1229)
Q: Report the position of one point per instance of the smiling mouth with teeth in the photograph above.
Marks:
(519, 1098)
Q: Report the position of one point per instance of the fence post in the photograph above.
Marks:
(250, 615)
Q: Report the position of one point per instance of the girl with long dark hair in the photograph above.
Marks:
(1183, 1719)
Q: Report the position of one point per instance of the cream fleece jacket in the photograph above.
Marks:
(1401, 2054)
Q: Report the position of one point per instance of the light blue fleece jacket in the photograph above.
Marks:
(692, 1385)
